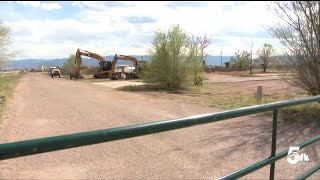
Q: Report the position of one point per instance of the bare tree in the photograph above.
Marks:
(265, 54)
(197, 46)
(5, 55)
(300, 35)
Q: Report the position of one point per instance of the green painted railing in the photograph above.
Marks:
(42, 145)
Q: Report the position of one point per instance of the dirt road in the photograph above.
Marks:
(43, 107)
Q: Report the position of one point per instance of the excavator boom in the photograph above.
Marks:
(107, 68)
(78, 61)
(121, 57)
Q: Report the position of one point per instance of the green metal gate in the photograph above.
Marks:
(42, 145)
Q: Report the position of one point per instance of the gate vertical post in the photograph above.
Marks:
(274, 142)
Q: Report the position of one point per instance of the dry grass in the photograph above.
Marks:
(240, 94)
(7, 85)
(229, 95)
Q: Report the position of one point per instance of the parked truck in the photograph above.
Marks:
(54, 71)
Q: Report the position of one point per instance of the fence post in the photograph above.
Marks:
(259, 93)
(274, 142)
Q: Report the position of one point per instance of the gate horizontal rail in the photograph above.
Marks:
(267, 161)
(48, 144)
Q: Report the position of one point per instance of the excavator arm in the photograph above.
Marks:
(103, 69)
(78, 60)
(121, 57)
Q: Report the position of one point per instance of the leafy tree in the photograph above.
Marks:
(175, 58)
(142, 68)
(241, 59)
(265, 54)
(68, 66)
(299, 32)
(169, 65)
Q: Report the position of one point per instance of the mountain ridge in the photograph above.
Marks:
(33, 63)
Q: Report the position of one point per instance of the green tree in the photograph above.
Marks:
(168, 66)
(241, 59)
(141, 68)
(175, 58)
(265, 56)
(68, 66)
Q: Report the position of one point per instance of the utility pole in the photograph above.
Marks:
(251, 59)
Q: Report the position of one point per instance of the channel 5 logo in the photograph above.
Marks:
(293, 157)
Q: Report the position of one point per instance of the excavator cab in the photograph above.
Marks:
(104, 70)
(105, 66)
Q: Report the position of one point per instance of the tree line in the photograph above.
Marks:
(266, 57)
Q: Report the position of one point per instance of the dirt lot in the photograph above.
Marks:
(226, 90)
(238, 77)
(117, 84)
(43, 107)
(211, 78)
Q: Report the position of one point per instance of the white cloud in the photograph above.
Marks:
(42, 5)
(127, 27)
(50, 6)
(35, 4)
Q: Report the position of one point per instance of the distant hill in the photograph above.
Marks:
(33, 63)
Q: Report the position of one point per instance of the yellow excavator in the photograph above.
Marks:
(128, 75)
(107, 68)
(103, 71)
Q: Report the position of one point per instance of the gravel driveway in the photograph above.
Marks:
(43, 107)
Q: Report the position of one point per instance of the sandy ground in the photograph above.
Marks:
(43, 107)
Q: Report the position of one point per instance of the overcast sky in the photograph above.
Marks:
(53, 29)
